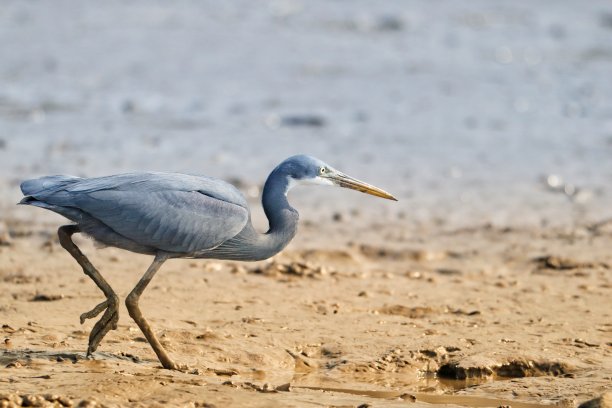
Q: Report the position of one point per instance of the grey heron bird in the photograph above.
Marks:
(172, 215)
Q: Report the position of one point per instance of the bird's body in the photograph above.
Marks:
(181, 215)
(172, 215)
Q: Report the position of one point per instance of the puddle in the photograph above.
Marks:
(416, 388)
(463, 400)
(415, 382)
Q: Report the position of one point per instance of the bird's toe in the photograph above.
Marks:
(94, 312)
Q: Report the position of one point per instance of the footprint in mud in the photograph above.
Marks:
(414, 312)
(419, 312)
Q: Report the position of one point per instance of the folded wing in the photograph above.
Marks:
(170, 212)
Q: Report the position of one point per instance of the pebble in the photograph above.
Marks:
(30, 400)
(408, 397)
(284, 387)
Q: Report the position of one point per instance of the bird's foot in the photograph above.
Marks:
(168, 364)
(107, 322)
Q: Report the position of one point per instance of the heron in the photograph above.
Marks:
(174, 215)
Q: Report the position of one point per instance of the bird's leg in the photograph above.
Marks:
(109, 319)
(132, 306)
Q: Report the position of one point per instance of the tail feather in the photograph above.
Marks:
(46, 184)
(46, 192)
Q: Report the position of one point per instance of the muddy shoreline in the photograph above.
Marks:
(487, 284)
(467, 317)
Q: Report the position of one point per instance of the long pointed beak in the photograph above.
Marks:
(342, 180)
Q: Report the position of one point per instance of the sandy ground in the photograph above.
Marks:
(379, 315)
(487, 284)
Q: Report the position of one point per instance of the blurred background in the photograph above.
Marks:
(474, 111)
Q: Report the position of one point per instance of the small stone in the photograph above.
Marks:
(448, 271)
(284, 387)
(88, 403)
(408, 397)
(202, 404)
(65, 401)
(33, 401)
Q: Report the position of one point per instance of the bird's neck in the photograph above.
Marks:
(282, 217)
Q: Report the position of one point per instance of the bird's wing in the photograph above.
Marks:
(154, 182)
(171, 212)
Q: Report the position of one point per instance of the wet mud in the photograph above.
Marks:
(329, 325)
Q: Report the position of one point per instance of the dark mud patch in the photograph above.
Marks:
(600, 402)
(293, 270)
(413, 312)
(484, 368)
(562, 263)
(406, 254)
(420, 312)
(43, 297)
(25, 357)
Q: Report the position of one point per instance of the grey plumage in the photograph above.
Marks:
(146, 212)
(173, 215)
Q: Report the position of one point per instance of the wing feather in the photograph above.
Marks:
(173, 221)
(169, 211)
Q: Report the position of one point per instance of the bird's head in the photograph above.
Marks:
(302, 169)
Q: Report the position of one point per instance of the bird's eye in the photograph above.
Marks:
(322, 170)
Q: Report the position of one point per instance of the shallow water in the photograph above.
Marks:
(461, 400)
(460, 108)
(428, 390)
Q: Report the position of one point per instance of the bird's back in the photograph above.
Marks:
(146, 212)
